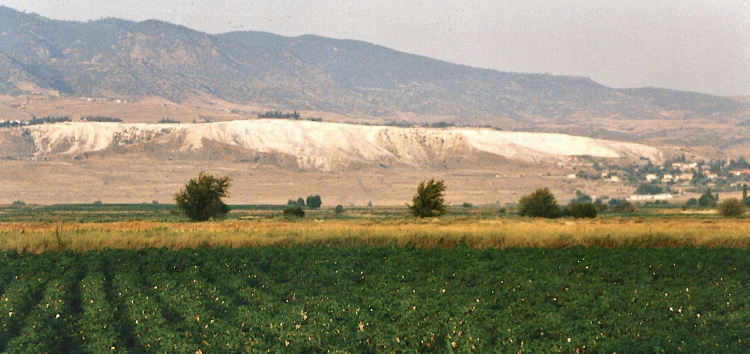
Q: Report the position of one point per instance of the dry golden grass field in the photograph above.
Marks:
(495, 232)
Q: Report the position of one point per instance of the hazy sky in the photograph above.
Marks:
(690, 45)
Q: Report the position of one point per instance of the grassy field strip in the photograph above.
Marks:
(443, 233)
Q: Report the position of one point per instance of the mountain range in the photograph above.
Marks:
(119, 59)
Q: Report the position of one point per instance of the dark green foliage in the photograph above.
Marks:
(101, 119)
(744, 191)
(541, 203)
(621, 206)
(691, 202)
(19, 203)
(581, 198)
(97, 202)
(649, 189)
(467, 205)
(200, 200)
(338, 209)
(48, 120)
(379, 299)
(279, 115)
(708, 200)
(582, 210)
(168, 121)
(314, 202)
(429, 200)
(294, 211)
(301, 202)
(731, 207)
(600, 205)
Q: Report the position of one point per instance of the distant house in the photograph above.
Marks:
(685, 167)
(571, 176)
(614, 179)
(649, 197)
(686, 176)
(740, 172)
(651, 177)
(667, 178)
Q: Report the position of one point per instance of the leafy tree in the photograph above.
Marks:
(294, 211)
(299, 202)
(314, 202)
(338, 209)
(541, 203)
(582, 210)
(708, 200)
(645, 189)
(691, 202)
(600, 205)
(621, 206)
(201, 200)
(731, 207)
(467, 205)
(581, 198)
(429, 200)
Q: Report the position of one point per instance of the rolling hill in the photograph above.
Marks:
(115, 58)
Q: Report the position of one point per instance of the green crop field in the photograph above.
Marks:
(376, 299)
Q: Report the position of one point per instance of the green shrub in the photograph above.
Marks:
(731, 207)
(294, 211)
(541, 203)
(691, 202)
(338, 209)
(582, 210)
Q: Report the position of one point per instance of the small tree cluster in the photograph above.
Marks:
(314, 202)
(731, 207)
(429, 200)
(649, 189)
(294, 211)
(708, 200)
(581, 198)
(621, 206)
(582, 210)
(299, 202)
